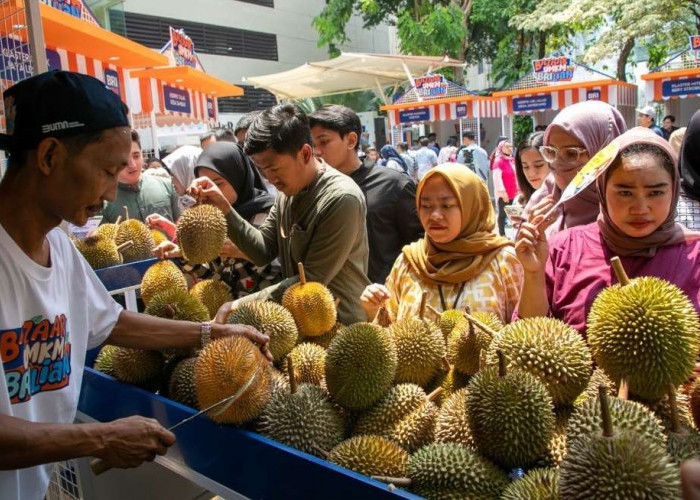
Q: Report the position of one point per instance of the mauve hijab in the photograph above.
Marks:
(690, 158)
(669, 232)
(595, 124)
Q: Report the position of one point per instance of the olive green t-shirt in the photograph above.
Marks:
(152, 195)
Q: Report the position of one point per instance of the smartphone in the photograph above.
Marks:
(513, 211)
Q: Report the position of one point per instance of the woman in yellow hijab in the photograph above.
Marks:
(460, 262)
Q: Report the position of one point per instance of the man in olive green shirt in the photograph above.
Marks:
(318, 217)
(142, 195)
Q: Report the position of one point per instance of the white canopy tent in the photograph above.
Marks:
(349, 72)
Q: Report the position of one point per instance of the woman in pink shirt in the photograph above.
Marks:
(639, 193)
(505, 185)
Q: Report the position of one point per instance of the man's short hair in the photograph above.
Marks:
(283, 129)
(403, 145)
(135, 137)
(669, 117)
(469, 134)
(424, 141)
(205, 137)
(432, 135)
(337, 118)
(245, 121)
(225, 135)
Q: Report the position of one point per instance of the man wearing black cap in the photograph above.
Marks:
(68, 138)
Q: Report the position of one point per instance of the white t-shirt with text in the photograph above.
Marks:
(49, 317)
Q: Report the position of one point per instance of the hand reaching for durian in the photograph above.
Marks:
(231, 251)
(157, 221)
(167, 250)
(204, 190)
(372, 299)
(222, 330)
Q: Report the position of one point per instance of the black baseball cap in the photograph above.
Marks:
(58, 104)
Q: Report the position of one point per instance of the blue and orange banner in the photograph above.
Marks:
(431, 86)
(553, 69)
(183, 48)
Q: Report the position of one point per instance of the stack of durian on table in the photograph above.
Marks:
(464, 407)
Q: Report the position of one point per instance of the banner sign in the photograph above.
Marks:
(176, 100)
(593, 95)
(461, 110)
(695, 46)
(53, 60)
(72, 7)
(211, 108)
(112, 80)
(532, 103)
(183, 48)
(678, 88)
(16, 61)
(553, 69)
(431, 86)
(414, 115)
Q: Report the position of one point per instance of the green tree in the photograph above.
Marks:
(357, 101)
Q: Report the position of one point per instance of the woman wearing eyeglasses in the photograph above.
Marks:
(577, 133)
(638, 192)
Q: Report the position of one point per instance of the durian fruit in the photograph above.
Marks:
(181, 386)
(598, 378)
(452, 424)
(212, 293)
(162, 276)
(303, 418)
(695, 402)
(158, 236)
(683, 442)
(420, 348)
(549, 349)
(177, 304)
(325, 339)
(108, 230)
(104, 362)
(278, 382)
(511, 415)
(136, 231)
(405, 415)
(138, 367)
(646, 332)
(662, 410)
(99, 252)
(309, 364)
(229, 366)
(452, 471)
(311, 305)
(360, 365)
(450, 381)
(371, 456)
(201, 232)
(467, 342)
(617, 464)
(449, 320)
(626, 415)
(538, 484)
(271, 319)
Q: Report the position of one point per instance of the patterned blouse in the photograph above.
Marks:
(496, 289)
(688, 212)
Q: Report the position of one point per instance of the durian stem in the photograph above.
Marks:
(480, 325)
(605, 411)
(482, 359)
(423, 300)
(622, 277)
(502, 370)
(446, 364)
(382, 318)
(435, 394)
(118, 221)
(125, 246)
(675, 421)
(292, 375)
(624, 391)
(402, 482)
(302, 274)
(337, 302)
(321, 451)
(126, 212)
(432, 309)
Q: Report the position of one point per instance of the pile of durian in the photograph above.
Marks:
(461, 408)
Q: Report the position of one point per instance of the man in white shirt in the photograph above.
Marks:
(425, 159)
(68, 137)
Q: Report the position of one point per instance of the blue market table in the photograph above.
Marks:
(230, 462)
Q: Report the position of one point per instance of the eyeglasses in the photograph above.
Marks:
(566, 155)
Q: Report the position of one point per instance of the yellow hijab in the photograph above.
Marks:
(465, 257)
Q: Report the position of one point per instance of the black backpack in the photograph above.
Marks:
(465, 156)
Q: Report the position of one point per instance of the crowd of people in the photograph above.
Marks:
(379, 229)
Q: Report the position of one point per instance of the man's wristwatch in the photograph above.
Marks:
(205, 332)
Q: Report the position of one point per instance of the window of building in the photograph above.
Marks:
(252, 100)
(152, 31)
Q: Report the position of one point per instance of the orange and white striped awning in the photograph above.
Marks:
(556, 97)
(442, 110)
(678, 84)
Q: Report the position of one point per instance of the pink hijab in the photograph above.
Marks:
(669, 233)
(595, 124)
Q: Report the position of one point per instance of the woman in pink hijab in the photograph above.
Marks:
(576, 134)
(505, 185)
(638, 192)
